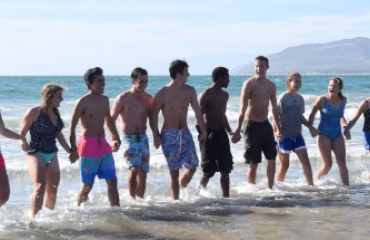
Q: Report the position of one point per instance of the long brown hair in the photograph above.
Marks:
(47, 93)
(340, 84)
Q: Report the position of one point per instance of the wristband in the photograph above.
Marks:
(73, 149)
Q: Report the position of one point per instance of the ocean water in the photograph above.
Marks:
(290, 210)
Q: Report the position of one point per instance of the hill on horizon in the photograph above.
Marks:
(347, 56)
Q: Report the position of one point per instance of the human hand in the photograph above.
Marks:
(157, 141)
(202, 138)
(347, 133)
(279, 136)
(313, 131)
(73, 156)
(235, 137)
(115, 146)
(24, 145)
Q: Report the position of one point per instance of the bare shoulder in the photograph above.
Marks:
(34, 111)
(162, 92)
(189, 89)
(345, 100)
(271, 83)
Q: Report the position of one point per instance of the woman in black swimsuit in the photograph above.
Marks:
(363, 108)
(45, 125)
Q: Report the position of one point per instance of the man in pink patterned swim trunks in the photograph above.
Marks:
(175, 138)
(96, 154)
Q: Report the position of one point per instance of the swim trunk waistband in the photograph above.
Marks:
(93, 147)
(256, 124)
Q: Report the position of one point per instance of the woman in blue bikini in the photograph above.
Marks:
(331, 107)
(45, 125)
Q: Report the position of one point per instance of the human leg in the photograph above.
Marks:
(306, 165)
(284, 165)
(113, 191)
(141, 186)
(252, 170)
(132, 181)
(270, 172)
(4, 186)
(225, 184)
(84, 193)
(52, 182)
(339, 149)
(186, 177)
(325, 146)
(174, 184)
(37, 170)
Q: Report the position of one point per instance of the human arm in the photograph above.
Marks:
(62, 140)
(153, 122)
(314, 132)
(10, 134)
(199, 116)
(244, 98)
(360, 110)
(276, 114)
(76, 114)
(27, 120)
(318, 105)
(343, 123)
(117, 107)
(115, 140)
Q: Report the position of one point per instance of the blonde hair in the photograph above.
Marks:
(340, 84)
(47, 93)
(291, 77)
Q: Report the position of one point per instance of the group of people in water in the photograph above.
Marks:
(135, 108)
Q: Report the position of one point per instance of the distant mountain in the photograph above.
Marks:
(347, 56)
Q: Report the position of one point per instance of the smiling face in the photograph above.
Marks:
(98, 84)
(260, 68)
(333, 88)
(140, 83)
(295, 84)
(56, 99)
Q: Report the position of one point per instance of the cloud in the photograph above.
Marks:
(42, 46)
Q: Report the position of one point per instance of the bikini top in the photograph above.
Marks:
(43, 133)
(366, 127)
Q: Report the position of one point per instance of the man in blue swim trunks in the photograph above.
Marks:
(133, 107)
(175, 138)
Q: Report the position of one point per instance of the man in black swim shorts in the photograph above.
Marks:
(216, 155)
(256, 94)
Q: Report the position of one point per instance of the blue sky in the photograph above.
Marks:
(67, 37)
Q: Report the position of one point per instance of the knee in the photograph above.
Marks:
(327, 166)
(40, 188)
(284, 166)
(112, 183)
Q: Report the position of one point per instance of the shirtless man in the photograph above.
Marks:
(216, 154)
(256, 93)
(133, 107)
(175, 138)
(96, 154)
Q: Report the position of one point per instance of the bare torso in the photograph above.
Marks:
(93, 114)
(134, 112)
(260, 93)
(175, 106)
(213, 104)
